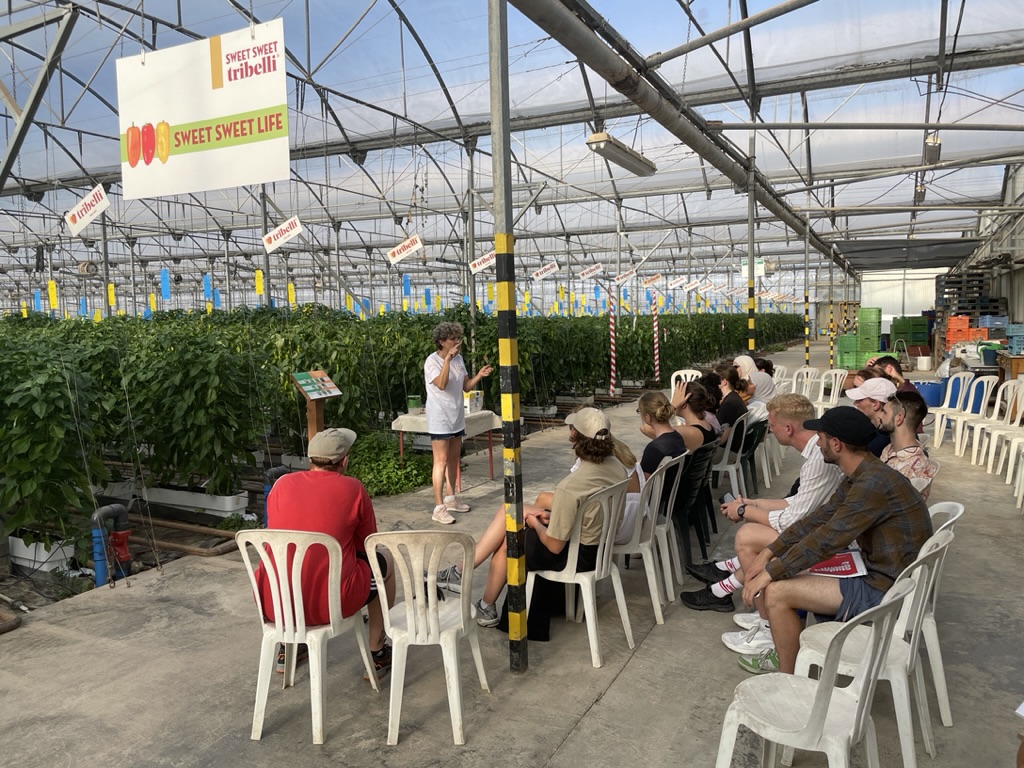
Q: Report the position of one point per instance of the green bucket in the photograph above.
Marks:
(413, 402)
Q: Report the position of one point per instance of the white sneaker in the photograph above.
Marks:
(455, 504)
(749, 640)
(441, 515)
(747, 620)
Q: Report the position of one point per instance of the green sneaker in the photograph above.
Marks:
(760, 663)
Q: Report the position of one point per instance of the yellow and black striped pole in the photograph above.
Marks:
(508, 344)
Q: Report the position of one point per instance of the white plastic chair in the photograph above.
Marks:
(610, 502)
(902, 665)
(814, 714)
(832, 380)
(664, 532)
(1000, 414)
(956, 394)
(803, 380)
(686, 374)
(421, 618)
(997, 438)
(944, 516)
(781, 374)
(642, 541)
(289, 625)
(730, 462)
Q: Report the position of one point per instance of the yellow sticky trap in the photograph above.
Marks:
(661, 302)
(259, 282)
(526, 297)
(348, 301)
(405, 305)
(97, 316)
(51, 289)
(152, 302)
(490, 291)
(111, 295)
(209, 307)
(437, 303)
(380, 310)
(24, 309)
(561, 293)
(291, 294)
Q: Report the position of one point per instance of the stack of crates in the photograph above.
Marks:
(869, 329)
(996, 325)
(913, 331)
(959, 330)
(846, 352)
(1015, 338)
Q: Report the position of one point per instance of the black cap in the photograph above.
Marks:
(846, 423)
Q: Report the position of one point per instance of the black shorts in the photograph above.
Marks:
(540, 558)
(447, 435)
(383, 563)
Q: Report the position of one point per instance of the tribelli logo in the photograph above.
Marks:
(264, 66)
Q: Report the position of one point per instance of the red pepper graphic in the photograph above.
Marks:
(148, 143)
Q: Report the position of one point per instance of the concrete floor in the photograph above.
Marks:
(161, 671)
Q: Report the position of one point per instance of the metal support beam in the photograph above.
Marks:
(874, 126)
(65, 25)
(744, 24)
(575, 36)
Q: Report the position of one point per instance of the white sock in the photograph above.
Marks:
(729, 566)
(485, 604)
(726, 587)
(765, 626)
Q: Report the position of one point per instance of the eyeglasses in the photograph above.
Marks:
(638, 411)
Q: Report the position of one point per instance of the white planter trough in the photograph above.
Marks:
(35, 557)
(219, 506)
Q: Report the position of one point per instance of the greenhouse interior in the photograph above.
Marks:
(605, 195)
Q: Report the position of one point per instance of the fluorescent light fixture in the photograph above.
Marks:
(613, 150)
(932, 149)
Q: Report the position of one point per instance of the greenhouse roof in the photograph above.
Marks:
(882, 134)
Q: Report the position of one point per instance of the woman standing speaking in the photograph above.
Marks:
(446, 378)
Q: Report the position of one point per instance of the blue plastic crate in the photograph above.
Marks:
(993, 321)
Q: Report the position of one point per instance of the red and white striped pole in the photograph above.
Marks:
(657, 352)
(611, 332)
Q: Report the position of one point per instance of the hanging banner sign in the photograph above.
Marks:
(597, 269)
(676, 283)
(546, 270)
(206, 115)
(275, 238)
(404, 249)
(620, 279)
(654, 279)
(86, 210)
(485, 261)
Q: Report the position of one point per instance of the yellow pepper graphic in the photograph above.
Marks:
(163, 140)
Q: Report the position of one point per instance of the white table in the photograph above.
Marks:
(476, 424)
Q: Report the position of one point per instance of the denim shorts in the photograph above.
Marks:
(447, 435)
(858, 596)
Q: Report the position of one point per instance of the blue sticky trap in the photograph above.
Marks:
(147, 313)
(406, 285)
(426, 298)
(465, 298)
(597, 292)
(83, 307)
(216, 298)
(165, 284)
(366, 306)
(650, 296)
(387, 306)
(625, 294)
(37, 300)
(207, 286)
(272, 302)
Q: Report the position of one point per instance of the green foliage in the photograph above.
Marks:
(235, 522)
(374, 460)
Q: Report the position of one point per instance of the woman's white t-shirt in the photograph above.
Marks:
(446, 411)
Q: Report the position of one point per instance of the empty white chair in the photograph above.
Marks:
(944, 516)
(610, 502)
(956, 394)
(781, 373)
(642, 540)
(902, 665)
(832, 381)
(816, 715)
(1000, 414)
(421, 618)
(289, 628)
(803, 381)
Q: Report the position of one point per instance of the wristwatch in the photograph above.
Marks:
(741, 510)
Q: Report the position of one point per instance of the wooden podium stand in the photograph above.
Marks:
(316, 387)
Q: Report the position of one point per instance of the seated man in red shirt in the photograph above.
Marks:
(324, 500)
